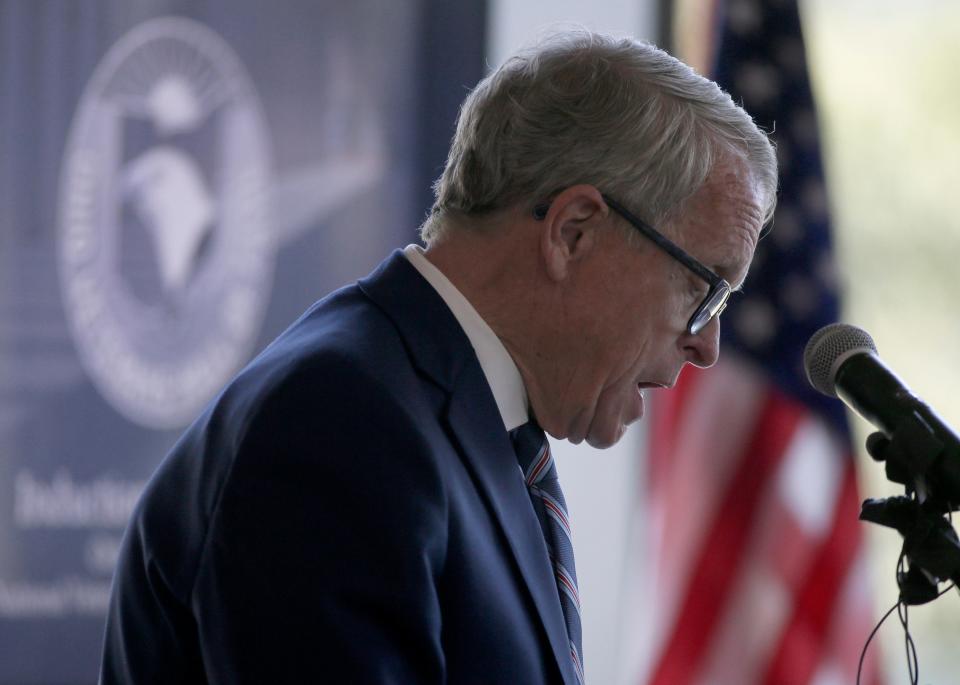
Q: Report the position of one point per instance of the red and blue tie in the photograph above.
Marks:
(540, 475)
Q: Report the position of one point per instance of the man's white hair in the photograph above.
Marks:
(582, 107)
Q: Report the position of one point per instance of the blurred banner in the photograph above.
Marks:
(178, 181)
(752, 512)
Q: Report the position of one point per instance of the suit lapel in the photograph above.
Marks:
(440, 348)
(492, 460)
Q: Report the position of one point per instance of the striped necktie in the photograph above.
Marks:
(540, 475)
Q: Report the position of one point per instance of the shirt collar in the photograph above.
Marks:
(498, 366)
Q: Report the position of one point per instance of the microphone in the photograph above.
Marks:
(842, 361)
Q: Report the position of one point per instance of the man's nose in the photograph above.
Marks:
(703, 348)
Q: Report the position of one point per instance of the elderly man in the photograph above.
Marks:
(372, 500)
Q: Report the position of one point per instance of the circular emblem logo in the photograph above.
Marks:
(164, 250)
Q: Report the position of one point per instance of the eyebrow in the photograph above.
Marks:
(739, 287)
(725, 268)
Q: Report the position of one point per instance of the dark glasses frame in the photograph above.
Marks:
(717, 296)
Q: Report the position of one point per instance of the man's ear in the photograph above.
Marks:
(569, 228)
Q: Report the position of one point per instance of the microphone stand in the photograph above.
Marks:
(921, 516)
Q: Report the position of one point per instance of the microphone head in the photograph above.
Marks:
(828, 349)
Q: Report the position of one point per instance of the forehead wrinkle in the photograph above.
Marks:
(720, 224)
(732, 246)
(740, 235)
(735, 254)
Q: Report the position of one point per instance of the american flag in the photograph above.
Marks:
(752, 510)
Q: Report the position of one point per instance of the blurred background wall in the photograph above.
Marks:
(179, 180)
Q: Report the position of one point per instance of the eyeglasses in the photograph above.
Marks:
(718, 295)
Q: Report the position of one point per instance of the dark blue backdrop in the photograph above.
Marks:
(178, 181)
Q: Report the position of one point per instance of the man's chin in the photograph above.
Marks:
(607, 427)
(598, 439)
(604, 427)
(606, 435)
(603, 440)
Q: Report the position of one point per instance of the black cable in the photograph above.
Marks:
(913, 666)
(869, 639)
(901, 607)
(912, 662)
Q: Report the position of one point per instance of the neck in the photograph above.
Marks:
(497, 267)
(491, 263)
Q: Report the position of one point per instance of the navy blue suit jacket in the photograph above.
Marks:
(349, 510)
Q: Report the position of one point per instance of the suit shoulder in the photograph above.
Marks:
(336, 382)
(343, 351)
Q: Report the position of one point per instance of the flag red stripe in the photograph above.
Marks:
(801, 645)
(667, 414)
(722, 554)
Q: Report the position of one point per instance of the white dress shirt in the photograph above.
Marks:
(498, 366)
